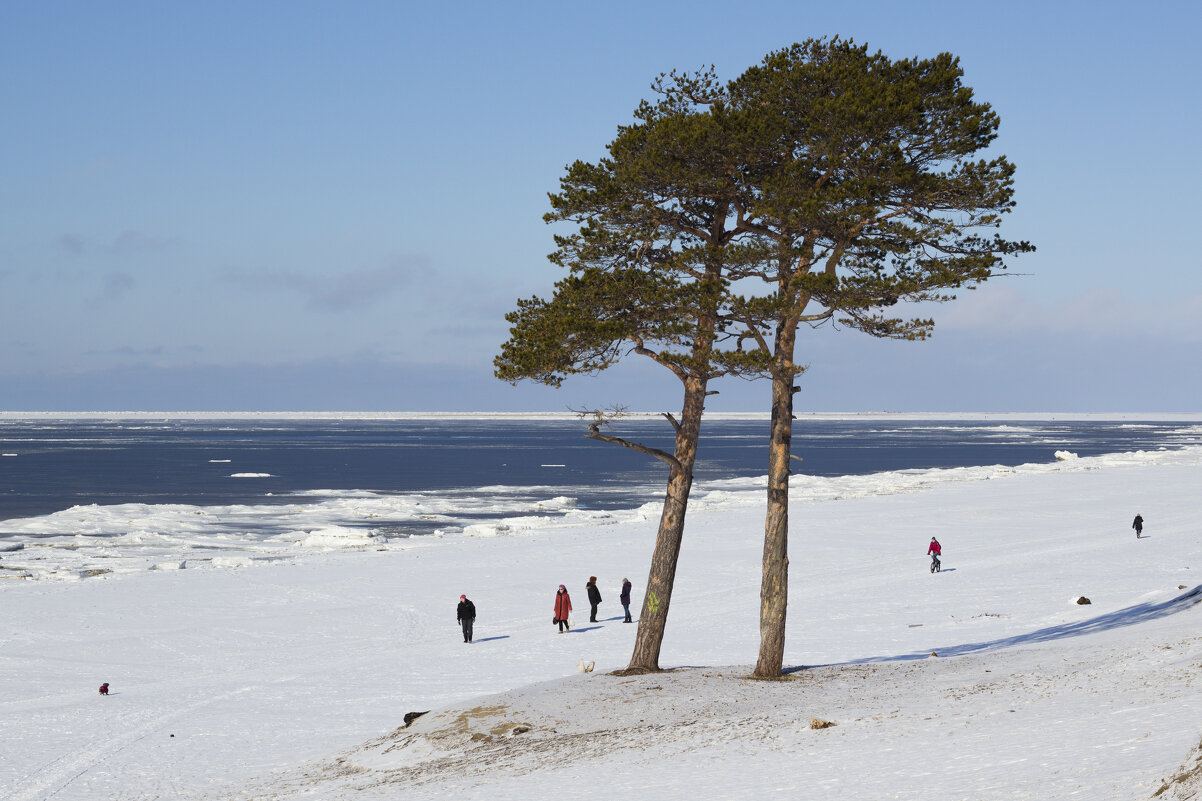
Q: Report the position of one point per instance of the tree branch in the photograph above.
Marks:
(654, 356)
(663, 456)
(815, 318)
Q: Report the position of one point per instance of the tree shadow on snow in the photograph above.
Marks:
(1131, 616)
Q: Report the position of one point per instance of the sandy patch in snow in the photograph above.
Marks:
(1010, 720)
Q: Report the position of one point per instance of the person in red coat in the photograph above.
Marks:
(934, 550)
(104, 688)
(563, 608)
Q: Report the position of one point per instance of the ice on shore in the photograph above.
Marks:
(272, 669)
(130, 537)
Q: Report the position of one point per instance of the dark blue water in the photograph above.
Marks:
(62, 463)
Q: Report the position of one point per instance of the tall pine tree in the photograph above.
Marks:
(649, 269)
(861, 175)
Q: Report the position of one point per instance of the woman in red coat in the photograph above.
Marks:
(563, 608)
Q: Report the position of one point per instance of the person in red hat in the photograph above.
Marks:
(466, 615)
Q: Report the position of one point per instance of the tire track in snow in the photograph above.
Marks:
(54, 777)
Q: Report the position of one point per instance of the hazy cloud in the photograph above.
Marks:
(71, 244)
(126, 350)
(117, 284)
(126, 243)
(131, 242)
(1100, 313)
(21, 347)
(354, 289)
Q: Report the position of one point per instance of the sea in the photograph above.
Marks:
(192, 486)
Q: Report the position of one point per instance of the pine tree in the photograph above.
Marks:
(843, 181)
(861, 175)
(649, 270)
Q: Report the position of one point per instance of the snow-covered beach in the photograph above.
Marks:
(288, 676)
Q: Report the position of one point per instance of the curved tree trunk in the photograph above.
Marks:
(658, 596)
(774, 586)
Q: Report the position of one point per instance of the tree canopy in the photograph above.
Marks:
(826, 183)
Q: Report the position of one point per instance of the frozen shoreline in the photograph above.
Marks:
(252, 681)
(83, 542)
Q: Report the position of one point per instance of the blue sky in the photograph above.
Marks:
(304, 206)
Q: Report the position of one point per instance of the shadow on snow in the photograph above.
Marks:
(1130, 616)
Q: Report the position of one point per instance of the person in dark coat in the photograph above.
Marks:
(1138, 525)
(465, 613)
(624, 599)
(594, 597)
(563, 608)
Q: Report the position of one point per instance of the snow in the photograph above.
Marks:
(284, 670)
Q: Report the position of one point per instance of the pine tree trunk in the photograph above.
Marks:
(658, 597)
(774, 585)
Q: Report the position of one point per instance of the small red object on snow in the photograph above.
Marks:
(104, 688)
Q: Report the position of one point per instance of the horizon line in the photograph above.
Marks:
(568, 415)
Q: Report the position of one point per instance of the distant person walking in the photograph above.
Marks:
(934, 550)
(594, 597)
(563, 608)
(465, 613)
(1138, 525)
(624, 599)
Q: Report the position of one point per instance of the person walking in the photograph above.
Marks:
(465, 613)
(624, 599)
(1138, 525)
(934, 550)
(563, 608)
(594, 597)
